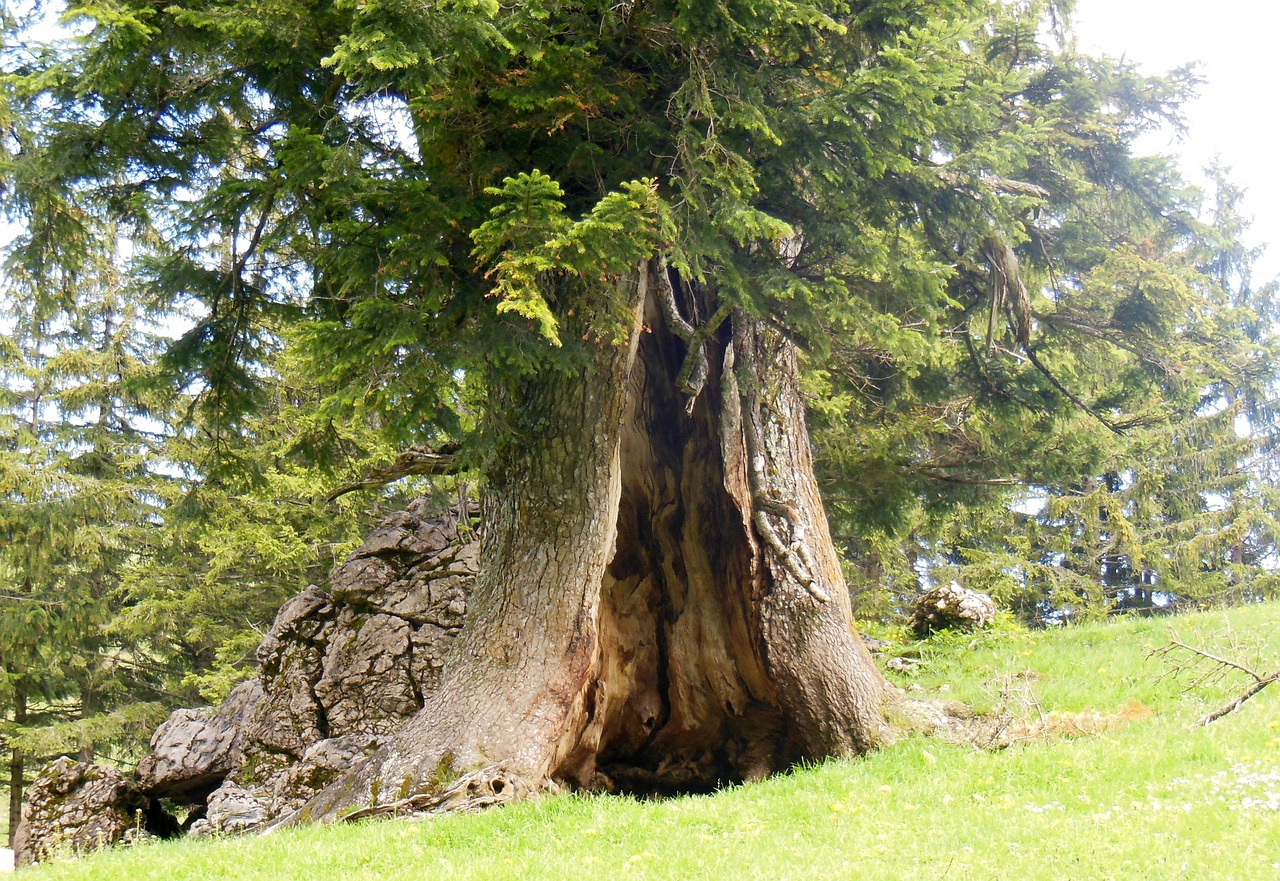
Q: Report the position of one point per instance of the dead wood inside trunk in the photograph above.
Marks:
(660, 605)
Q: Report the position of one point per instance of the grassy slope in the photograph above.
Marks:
(1151, 799)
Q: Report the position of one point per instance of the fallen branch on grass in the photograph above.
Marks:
(1217, 667)
(1244, 696)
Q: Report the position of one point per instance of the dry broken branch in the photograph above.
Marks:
(1240, 699)
(973, 185)
(1218, 666)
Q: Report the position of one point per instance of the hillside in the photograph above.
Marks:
(1140, 796)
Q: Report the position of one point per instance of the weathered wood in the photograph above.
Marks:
(1239, 700)
(660, 606)
(413, 461)
(1218, 664)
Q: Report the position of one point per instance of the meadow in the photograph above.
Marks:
(1107, 778)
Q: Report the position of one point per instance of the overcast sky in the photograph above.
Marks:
(1237, 46)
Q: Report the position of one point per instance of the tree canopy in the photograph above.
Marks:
(400, 177)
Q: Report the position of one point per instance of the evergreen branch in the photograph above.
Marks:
(990, 381)
(48, 604)
(935, 472)
(1116, 427)
(259, 228)
(413, 461)
(1004, 274)
(1063, 320)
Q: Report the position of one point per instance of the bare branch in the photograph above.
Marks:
(1217, 659)
(413, 461)
(1219, 665)
(1062, 320)
(1071, 396)
(967, 183)
(18, 598)
(1235, 704)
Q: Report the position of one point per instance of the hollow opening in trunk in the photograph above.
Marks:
(680, 700)
(659, 608)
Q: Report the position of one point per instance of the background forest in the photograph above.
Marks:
(201, 341)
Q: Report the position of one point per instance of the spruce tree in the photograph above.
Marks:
(588, 250)
(77, 495)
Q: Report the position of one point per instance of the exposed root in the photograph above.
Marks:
(794, 556)
(488, 787)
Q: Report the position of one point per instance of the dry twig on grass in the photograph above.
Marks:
(1206, 667)
(1019, 718)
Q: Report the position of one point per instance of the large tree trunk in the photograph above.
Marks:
(660, 604)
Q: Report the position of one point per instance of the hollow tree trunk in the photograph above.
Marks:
(660, 604)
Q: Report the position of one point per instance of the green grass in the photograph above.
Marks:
(1151, 799)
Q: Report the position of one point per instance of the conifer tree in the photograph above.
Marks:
(1173, 506)
(580, 247)
(145, 551)
(76, 499)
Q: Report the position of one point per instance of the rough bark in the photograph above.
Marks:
(660, 605)
(654, 605)
(829, 689)
(17, 764)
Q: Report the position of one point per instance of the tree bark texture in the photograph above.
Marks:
(660, 606)
(17, 763)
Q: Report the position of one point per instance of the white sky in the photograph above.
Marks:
(1237, 116)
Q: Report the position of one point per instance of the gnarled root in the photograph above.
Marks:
(476, 791)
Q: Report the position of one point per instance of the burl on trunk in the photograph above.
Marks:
(660, 606)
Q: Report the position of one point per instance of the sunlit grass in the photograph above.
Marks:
(1149, 799)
